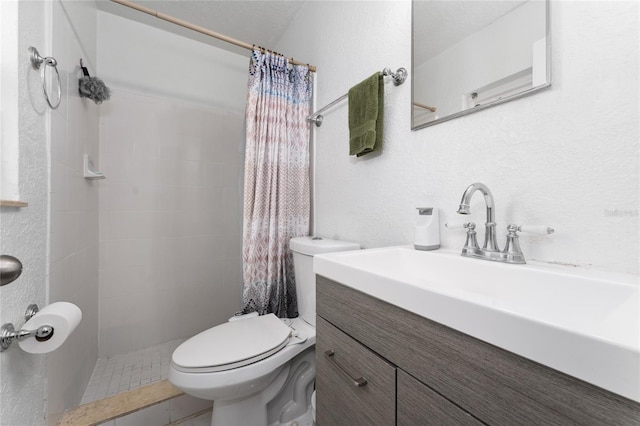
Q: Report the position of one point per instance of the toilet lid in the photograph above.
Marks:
(232, 344)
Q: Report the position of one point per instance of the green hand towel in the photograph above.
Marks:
(366, 115)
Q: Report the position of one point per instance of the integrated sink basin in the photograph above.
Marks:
(581, 322)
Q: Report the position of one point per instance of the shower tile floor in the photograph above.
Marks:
(125, 372)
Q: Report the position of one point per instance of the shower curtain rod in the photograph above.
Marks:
(200, 30)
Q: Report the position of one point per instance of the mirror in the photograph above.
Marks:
(470, 55)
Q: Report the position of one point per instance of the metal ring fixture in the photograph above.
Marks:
(36, 62)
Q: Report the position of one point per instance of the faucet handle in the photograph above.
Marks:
(454, 226)
(471, 244)
(532, 229)
(512, 251)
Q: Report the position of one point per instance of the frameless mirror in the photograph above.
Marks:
(470, 55)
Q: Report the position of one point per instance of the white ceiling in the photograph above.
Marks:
(258, 22)
(438, 24)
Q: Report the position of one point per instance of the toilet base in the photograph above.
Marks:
(304, 420)
(285, 401)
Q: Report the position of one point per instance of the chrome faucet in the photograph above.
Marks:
(490, 244)
(490, 251)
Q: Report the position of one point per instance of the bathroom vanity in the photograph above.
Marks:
(379, 364)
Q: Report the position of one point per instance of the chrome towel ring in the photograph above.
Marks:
(36, 62)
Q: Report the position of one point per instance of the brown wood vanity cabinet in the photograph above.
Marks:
(419, 372)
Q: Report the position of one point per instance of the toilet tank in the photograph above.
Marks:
(304, 248)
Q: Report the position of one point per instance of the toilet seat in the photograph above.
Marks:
(232, 345)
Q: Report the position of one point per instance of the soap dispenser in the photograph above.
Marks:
(427, 233)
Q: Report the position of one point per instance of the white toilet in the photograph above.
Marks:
(259, 370)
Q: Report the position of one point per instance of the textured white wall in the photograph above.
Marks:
(566, 158)
(23, 231)
(170, 208)
(74, 206)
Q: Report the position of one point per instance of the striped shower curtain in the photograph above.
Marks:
(276, 181)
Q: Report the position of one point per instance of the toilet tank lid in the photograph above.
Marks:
(317, 245)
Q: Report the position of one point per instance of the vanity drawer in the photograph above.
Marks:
(339, 400)
(419, 405)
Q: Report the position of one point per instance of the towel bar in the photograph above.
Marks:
(399, 77)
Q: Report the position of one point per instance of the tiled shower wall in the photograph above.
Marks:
(170, 219)
(73, 206)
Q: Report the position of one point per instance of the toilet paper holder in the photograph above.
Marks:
(8, 332)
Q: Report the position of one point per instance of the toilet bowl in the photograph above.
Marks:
(258, 370)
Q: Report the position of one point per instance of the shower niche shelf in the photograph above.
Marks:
(89, 170)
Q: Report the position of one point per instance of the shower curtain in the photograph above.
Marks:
(276, 181)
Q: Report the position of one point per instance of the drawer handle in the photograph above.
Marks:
(357, 382)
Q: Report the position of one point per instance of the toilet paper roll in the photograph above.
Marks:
(64, 317)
